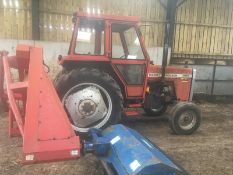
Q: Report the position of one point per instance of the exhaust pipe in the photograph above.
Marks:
(169, 32)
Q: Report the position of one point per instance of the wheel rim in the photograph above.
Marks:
(187, 120)
(88, 105)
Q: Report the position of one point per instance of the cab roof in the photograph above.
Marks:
(132, 19)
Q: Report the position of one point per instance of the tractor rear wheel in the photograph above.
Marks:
(185, 118)
(90, 97)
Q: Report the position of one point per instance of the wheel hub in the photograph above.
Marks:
(187, 120)
(85, 106)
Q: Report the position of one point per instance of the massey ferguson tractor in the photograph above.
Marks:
(108, 71)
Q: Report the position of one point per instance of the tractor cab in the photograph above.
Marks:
(114, 40)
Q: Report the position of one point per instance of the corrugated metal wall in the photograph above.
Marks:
(204, 28)
(15, 18)
(56, 16)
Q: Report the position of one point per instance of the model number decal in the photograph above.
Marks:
(170, 75)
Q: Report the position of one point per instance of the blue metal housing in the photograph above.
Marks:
(125, 152)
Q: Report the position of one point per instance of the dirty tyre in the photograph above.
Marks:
(155, 112)
(185, 118)
(78, 83)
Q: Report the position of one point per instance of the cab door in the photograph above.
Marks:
(128, 58)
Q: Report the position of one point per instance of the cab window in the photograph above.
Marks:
(90, 38)
(125, 42)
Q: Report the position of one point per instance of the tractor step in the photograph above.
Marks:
(139, 155)
(135, 105)
(132, 113)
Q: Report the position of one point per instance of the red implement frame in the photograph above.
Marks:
(35, 111)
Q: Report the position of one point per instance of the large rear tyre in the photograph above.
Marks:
(91, 98)
(185, 118)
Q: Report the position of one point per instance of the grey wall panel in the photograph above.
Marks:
(202, 87)
(224, 73)
(204, 72)
(223, 88)
(223, 79)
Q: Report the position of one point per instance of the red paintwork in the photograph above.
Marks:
(131, 113)
(134, 91)
(135, 105)
(182, 86)
(87, 58)
(131, 90)
(40, 118)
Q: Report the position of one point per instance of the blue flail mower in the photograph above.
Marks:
(124, 151)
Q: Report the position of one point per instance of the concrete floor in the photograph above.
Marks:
(207, 152)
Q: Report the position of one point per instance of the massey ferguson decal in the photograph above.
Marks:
(155, 75)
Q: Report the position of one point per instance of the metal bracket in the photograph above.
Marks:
(98, 144)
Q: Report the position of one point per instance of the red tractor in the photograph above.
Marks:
(108, 70)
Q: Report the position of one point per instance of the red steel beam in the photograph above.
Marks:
(10, 94)
(48, 135)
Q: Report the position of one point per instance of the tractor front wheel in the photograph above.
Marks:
(91, 98)
(185, 118)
